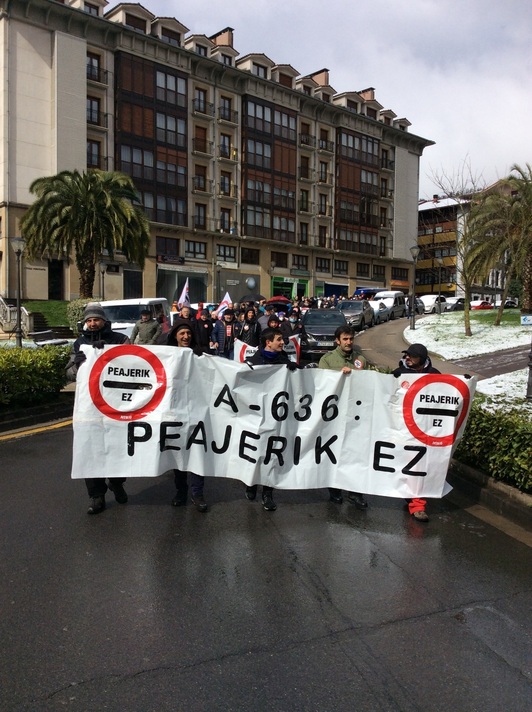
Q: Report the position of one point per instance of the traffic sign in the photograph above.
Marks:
(434, 408)
(127, 382)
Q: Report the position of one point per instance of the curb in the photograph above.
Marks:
(21, 418)
(496, 496)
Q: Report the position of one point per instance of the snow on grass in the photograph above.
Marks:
(444, 335)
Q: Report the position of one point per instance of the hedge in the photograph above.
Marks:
(75, 312)
(499, 443)
(32, 376)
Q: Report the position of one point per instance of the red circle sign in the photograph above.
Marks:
(104, 392)
(410, 410)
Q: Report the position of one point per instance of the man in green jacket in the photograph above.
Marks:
(146, 329)
(344, 359)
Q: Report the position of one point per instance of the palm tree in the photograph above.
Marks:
(89, 213)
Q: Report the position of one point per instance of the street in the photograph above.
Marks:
(315, 607)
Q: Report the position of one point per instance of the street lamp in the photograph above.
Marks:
(18, 244)
(414, 251)
(529, 383)
(439, 260)
(103, 270)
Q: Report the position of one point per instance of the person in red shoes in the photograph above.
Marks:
(416, 360)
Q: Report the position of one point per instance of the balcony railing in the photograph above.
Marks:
(326, 178)
(305, 173)
(228, 153)
(227, 190)
(97, 118)
(305, 207)
(307, 140)
(225, 114)
(387, 165)
(97, 74)
(202, 184)
(324, 145)
(325, 210)
(201, 145)
(199, 106)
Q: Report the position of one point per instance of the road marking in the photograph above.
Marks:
(34, 431)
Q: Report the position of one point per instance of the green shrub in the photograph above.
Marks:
(75, 312)
(500, 444)
(30, 376)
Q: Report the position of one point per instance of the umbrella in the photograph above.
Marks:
(251, 298)
(278, 300)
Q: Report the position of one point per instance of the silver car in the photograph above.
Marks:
(358, 313)
(381, 311)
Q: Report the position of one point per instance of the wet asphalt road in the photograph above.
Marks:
(313, 607)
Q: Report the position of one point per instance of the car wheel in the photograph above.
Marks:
(433, 310)
(392, 316)
(372, 322)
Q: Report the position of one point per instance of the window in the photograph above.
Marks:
(200, 178)
(171, 89)
(322, 205)
(225, 219)
(259, 71)
(284, 125)
(259, 154)
(135, 23)
(146, 200)
(171, 210)
(226, 253)
(369, 181)
(323, 238)
(226, 108)
(171, 130)
(201, 50)
(170, 37)
(167, 246)
(323, 264)
(378, 273)
(200, 100)
(225, 146)
(399, 274)
(94, 154)
(303, 200)
(340, 266)
(280, 259)
(93, 67)
(136, 162)
(259, 117)
(227, 59)
(170, 173)
(90, 9)
(284, 229)
(200, 216)
(93, 110)
(195, 250)
(362, 269)
(225, 183)
(283, 198)
(259, 192)
(324, 171)
(304, 168)
(384, 188)
(303, 233)
(258, 221)
(300, 262)
(250, 256)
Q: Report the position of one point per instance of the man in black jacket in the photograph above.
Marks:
(270, 352)
(97, 332)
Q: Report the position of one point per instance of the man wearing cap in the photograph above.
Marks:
(344, 359)
(97, 332)
(147, 330)
(182, 336)
(223, 335)
(416, 360)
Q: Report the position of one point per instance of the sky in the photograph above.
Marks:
(459, 70)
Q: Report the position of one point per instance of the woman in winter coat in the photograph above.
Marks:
(248, 330)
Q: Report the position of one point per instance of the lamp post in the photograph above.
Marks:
(439, 260)
(103, 270)
(529, 383)
(18, 244)
(414, 251)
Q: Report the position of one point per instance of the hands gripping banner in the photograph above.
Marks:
(243, 351)
(141, 411)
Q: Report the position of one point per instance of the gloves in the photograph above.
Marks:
(291, 366)
(312, 364)
(467, 375)
(98, 344)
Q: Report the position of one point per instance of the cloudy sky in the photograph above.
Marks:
(459, 70)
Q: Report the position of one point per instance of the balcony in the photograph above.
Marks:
(325, 210)
(227, 115)
(327, 146)
(305, 173)
(97, 74)
(325, 178)
(228, 190)
(199, 106)
(200, 184)
(306, 140)
(387, 165)
(201, 145)
(305, 207)
(387, 194)
(97, 118)
(227, 153)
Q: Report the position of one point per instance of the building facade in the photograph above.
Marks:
(254, 178)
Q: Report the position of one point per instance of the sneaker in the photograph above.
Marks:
(420, 515)
(358, 500)
(180, 498)
(97, 505)
(251, 492)
(199, 502)
(335, 495)
(267, 503)
(119, 493)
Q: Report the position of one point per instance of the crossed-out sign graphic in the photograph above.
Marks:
(127, 382)
(434, 408)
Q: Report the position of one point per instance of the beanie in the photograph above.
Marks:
(94, 310)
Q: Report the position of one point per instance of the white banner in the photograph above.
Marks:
(141, 411)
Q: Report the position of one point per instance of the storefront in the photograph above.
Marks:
(289, 287)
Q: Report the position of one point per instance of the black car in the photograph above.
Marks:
(320, 325)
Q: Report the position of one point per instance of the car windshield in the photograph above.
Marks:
(321, 317)
(124, 312)
(351, 306)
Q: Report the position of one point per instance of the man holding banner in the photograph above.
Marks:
(344, 359)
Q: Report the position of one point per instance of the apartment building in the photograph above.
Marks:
(254, 178)
(441, 221)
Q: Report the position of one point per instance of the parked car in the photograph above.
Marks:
(481, 304)
(124, 313)
(508, 304)
(397, 302)
(381, 311)
(320, 325)
(454, 304)
(358, 312)
(434, 304)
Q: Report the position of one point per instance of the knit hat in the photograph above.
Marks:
(229, 312)
(417, 351)
(94, 310)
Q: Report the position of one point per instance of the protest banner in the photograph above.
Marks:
(243, 351)
(147, 410)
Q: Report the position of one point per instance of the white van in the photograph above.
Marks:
(124, 313)
(395, 300)
(434, 304)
